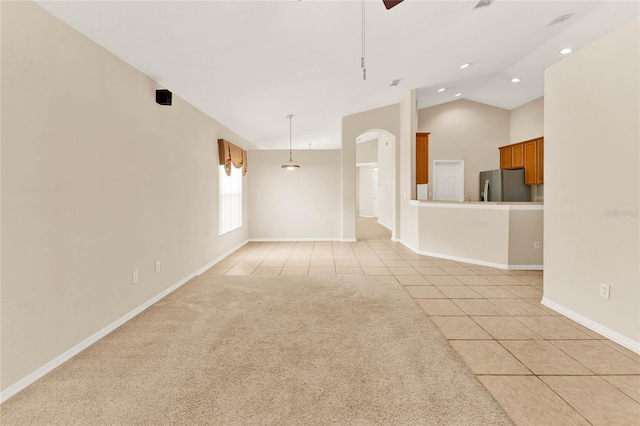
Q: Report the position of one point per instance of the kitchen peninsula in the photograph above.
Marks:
(497, 234)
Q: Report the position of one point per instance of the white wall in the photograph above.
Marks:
(469, 131)
(386, 179)
(474, 233)
(500, 236)
(365, 191)
(525, 229)
(527, 121)
(367, 152)
(97, 181)
(302, 204)
(592, 139)
(406, 181)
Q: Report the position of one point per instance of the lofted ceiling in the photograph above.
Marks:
(249, 64)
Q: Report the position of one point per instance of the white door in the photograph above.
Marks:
(374, 191)
(448, 179)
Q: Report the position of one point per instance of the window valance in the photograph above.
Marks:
(229, 154)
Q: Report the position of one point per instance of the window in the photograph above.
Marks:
(233, 163)
(229, 200)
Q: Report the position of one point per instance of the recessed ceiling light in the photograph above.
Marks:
(515, 80)
(463, 66)
(458, 94)
(566, 51)
(442, 90)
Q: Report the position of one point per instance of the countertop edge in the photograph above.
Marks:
(477, 205)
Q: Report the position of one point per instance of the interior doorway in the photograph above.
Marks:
(376, 177)
(448, 180)
(366, 190)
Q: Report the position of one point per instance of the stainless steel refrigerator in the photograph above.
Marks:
(504, 185)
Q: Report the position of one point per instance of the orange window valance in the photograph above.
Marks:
(229, 154)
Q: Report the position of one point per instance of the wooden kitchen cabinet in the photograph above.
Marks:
(505, 157)
(512, 156)
(517, 156)
(540, 162)
(534, 161)
(527, 155)
(422, 158)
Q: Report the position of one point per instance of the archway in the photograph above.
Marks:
(375, 162)
(384, 119)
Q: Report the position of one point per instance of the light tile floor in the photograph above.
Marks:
(543, 368)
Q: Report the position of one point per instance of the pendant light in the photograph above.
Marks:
(290, 165)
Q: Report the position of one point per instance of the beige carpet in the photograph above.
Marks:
(266, 350)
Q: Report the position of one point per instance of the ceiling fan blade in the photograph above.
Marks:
(390, 3)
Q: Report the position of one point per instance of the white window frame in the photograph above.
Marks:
(229, 200)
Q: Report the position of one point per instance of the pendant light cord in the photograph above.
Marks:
(290, 165)
(290, 139)
(362, 64)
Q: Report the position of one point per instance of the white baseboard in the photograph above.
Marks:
(407, 245)
(366, 217)
(70, 353)
(525, 267)
(474, 261)
(216, 260)
(628, 343)
(384, 225)
(287, 240)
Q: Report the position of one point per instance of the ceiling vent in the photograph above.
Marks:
(560, 19)
(483, 3)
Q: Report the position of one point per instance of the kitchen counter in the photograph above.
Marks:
(498, 234)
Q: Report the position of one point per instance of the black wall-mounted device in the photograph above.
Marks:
(163, 97)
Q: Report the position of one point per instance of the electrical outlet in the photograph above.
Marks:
(157, 267)
(324, 224)
(536, 245)
(135, 276)
(604, 291)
